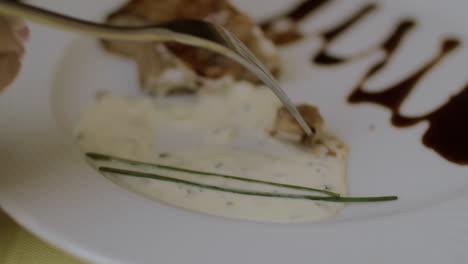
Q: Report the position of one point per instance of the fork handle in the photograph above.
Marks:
(57, 20)
(170, 32)
(130, 33)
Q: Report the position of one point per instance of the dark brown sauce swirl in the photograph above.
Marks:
(299, 12)
(448, 125)
(323, 57)
(294, 16)
(448, 129)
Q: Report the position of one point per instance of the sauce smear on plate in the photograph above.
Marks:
(222, 131)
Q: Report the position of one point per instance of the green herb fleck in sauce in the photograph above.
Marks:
(164, 155)
(80, 136)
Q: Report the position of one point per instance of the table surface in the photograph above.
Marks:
(18, 246)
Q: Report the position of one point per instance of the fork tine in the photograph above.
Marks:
(271, 82)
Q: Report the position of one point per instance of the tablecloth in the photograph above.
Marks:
(18, 246)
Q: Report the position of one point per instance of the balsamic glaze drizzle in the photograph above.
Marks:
(448, 125)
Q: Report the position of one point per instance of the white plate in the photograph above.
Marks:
(46, 185)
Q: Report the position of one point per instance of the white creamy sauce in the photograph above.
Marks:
(223, 131)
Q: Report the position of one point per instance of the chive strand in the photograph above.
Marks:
(245, 192)
(103, 157)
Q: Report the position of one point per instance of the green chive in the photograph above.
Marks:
(103, 157)
(245, 192)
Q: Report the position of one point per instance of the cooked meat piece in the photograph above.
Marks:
(286, 123)
(167, 66)
(282, 31)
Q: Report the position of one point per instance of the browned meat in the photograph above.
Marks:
(164, 67)
(285, 122)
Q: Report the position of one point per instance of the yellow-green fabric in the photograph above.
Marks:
(17, 246)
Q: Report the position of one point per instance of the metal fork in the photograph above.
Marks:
(190, 32)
